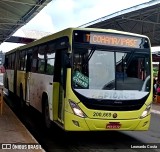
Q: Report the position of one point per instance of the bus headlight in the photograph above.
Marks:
(77, 110)
(146, 111)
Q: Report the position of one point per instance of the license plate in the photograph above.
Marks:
(113, 125)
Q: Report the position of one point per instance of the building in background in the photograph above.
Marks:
(2, 57)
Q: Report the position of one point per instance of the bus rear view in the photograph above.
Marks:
(109, 86)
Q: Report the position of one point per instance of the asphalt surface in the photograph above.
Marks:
(56, 140)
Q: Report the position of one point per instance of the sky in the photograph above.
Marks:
(61, 14)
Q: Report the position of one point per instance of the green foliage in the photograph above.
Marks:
(155, 71)
(50, 69)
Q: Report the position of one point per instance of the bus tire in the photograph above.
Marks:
(45, 113)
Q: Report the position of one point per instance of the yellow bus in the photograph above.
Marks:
(85, 79)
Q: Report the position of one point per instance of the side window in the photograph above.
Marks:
(41, 63)
(13, 61)
(9, 61)
(139, 67)
(50, 58)
(34, 60)
(24, 64)
(28, 60)
(41, 59)
(22, 61)
(6, 62)
(19, 61)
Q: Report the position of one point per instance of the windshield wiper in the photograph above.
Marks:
(89, 56)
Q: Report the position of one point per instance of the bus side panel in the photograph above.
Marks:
(49, 90)
(36, 90)
(10, 77)
(5, 77)
(21, 76)
(39, 84)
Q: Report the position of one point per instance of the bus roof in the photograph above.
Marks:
(68, 32)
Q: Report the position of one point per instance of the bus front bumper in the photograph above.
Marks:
(75, 123)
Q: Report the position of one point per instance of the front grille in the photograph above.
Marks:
(112, 105)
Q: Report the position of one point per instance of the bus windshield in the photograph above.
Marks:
(111, 70)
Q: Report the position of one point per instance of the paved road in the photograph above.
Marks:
(56, 140)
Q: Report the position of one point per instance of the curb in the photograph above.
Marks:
(155, 111)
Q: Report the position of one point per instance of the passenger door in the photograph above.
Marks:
(59, 86)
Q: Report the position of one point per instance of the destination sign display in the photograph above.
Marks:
(111, 39)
